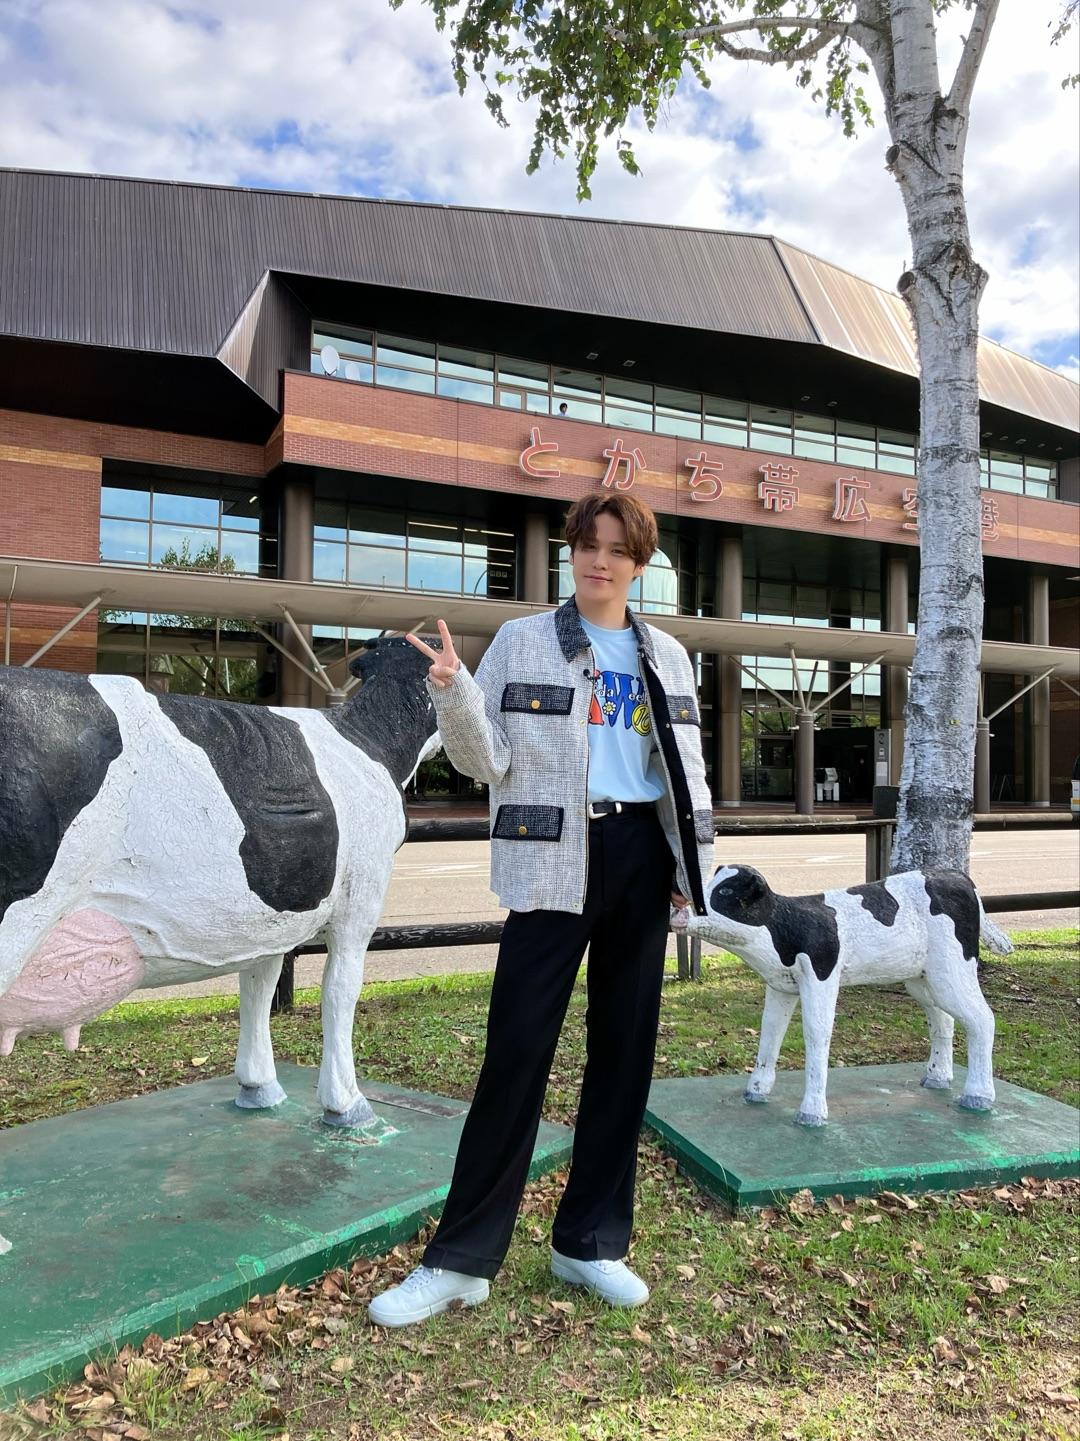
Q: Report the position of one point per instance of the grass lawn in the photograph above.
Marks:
(941, 1317)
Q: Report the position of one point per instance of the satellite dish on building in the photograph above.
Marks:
(352, 370)
(330, 359)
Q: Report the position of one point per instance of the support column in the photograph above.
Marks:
(297, 553)
(1038, 633)
(536, 558)
(896, 590)
(727, 757)
(804, 764)
(982, 767)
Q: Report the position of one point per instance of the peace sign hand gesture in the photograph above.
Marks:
(444, 662)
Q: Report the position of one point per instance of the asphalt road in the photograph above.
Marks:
(447, 881)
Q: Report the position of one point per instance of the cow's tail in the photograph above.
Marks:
(991, 936)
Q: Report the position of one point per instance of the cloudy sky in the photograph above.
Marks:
(346, 96)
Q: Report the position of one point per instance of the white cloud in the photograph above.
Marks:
(347, 96)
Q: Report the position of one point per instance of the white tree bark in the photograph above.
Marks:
(942, 291)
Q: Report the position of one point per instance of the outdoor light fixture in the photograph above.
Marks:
(627, 364)
(592, 355)
(803, 399)
(830, 402)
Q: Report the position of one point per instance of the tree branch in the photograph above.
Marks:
(974, 49)
(806, 51)
(825, 30)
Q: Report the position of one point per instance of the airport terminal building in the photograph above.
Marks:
(241, 430)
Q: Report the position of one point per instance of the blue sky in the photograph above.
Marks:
(347, 96)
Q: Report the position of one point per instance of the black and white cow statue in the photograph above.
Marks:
(923, 930)
(149, 840)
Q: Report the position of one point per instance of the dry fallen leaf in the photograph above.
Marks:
(637, 1334)
(341, 1365)
(199, 1060)
(686, 1272)
(197, 1376)
(998, 1284)
(944, 1351)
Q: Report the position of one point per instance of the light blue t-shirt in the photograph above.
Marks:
(624, 763)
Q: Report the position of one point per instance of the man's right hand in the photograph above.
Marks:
(444, 662)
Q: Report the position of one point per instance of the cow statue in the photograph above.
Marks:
(923, 930)
(149, 840)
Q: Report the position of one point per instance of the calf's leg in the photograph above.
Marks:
(255, 1070)
(818, 999)
(343, 1103)
(779, 1007)
(954, 987)
(939, 1072)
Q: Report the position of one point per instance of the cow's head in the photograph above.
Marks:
(395, 658)
(738, 900)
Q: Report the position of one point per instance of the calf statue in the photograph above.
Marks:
(923, 930)
(148, 840)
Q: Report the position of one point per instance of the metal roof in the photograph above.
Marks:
(71, 583)
(148, 265)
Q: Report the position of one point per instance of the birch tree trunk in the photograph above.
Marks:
(942, 291)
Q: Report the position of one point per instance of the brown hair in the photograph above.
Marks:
(637, 519)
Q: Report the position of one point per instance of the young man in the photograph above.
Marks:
(584, 724)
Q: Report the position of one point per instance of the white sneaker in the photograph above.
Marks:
(613, 1281)
(426, 1292)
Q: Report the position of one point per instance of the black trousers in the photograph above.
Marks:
(624, 925)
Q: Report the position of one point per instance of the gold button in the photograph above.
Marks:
(523, 830)
(684, 714)
(534, 705)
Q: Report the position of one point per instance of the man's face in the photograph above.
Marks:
(603, 566)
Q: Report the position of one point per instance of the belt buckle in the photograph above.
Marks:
(595, 815)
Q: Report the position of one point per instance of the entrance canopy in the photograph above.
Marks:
(175, 592)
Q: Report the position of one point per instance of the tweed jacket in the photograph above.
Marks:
(521, 725)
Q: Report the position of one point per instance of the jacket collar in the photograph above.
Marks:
(572, 637)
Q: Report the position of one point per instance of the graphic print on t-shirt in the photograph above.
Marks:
(618, 695)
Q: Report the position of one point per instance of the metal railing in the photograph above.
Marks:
(879, 838)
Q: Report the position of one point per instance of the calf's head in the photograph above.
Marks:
(737, 901)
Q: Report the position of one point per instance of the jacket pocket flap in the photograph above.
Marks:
(528, 823)
(538, 699)
(682, 710)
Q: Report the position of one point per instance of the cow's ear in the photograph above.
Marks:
(366, 662)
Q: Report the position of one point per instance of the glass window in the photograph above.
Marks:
(186, 509)
(241, 514)
(464, 389)
(855, 444)
(511, 399)
(329, 519)
(528, 374)
(435, 535)
(356, 370)
(354, 343)
(815, 437)
(328, 561)
(1037, 487)
(406, 379)
(428, 571)
(678, 412)
(243, 549)
(725, 421)
(770, 429)
(415, 354)
(629, 403)
(1004, 463)
(135, 504)
(125, 541)
(181, 545)
(376, 527)
(469, 364)
(578, 383)
(896, 452)
(376, 565)
(538, 404)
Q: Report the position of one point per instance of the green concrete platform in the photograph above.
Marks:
(885, 1133)
(151, 1214)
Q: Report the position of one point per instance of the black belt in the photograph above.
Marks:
(599, 809)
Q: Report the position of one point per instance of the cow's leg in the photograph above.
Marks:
(939, 1072)
(779, 1006)
(818, 1000)
(343, 1103)
(255, 1070)
(954, 987)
